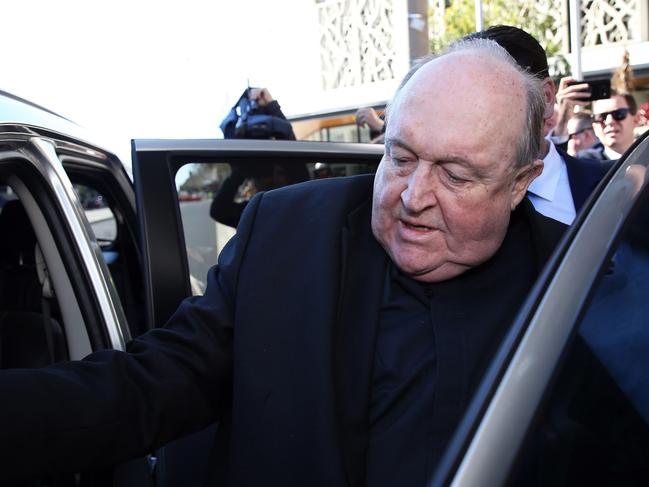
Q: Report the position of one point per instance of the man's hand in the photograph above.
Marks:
(368, 116)
(571, 93)
(260, 95)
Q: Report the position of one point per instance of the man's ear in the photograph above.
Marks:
(523, 179)
(549, 91)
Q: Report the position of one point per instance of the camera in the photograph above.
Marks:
(248, 120)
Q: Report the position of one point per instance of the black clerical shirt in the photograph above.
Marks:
(433, 344)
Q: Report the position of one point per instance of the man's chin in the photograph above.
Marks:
(433, 273)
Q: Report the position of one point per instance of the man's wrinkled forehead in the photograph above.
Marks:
(459, 84)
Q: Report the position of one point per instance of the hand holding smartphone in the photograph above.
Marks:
(585, 91)
(599, 89)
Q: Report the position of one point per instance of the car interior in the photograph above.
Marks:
(42, 322)
(30, 333)
(41, 317)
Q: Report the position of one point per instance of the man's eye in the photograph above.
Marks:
(453, 178)
(401, 161)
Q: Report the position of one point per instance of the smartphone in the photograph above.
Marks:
(599, 89)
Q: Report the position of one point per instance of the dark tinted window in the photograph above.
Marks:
(594, 427)
(212, 196)
(101, 217)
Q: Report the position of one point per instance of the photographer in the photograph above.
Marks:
(267, 105)
(259, 116)
(571, 94)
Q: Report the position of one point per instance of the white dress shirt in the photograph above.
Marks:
(611, 154)
(550, 192)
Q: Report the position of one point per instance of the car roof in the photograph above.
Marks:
(20, 116)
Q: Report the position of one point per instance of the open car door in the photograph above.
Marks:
(190, 194)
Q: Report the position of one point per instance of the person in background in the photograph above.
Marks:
(614, 121)
(581, 135)
(245, 180)
(566, 182)
(572, 97)
(322, 170)
(368, 117)
(550, 123)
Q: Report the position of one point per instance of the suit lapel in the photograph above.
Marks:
(545, 231)
(583, 176)
(363, 273)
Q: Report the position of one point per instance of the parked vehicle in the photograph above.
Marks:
(570, 369)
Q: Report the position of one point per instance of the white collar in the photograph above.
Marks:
(611, 154)
(545, 185)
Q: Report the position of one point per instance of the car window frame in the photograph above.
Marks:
(155, 164)
(100, 306)
(470, 455)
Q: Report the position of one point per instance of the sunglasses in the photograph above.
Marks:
(619, 115)
(578, 132)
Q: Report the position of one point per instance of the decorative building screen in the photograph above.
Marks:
(610, 21)
(357, 42)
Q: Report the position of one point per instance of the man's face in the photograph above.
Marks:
(549, 123)
(616, 134)
(446, 184)
(581, 135)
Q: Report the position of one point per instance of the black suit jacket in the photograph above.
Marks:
(596, 152)
(280, 347)
(583, 176)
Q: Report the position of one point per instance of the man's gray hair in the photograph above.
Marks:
(530, 140)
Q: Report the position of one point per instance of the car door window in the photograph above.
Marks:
(112, 222)
(101, 217)
(594, 426)
(212, 196)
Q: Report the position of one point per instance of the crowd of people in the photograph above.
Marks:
(578, 132)
(601, 129)
(321, 384)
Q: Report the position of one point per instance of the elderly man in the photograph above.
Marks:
(349, 364)
(614, 120)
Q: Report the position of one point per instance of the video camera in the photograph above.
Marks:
(247, 120)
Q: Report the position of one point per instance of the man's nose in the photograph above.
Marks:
(420, 192)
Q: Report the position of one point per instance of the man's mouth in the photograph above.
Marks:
(416, 227)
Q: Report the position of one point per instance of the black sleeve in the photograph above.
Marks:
(223, 208)
(114, 405)
(375, 133)
(562, 145)
(274, 110)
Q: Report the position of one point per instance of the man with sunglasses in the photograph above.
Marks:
(614, 119)
(581, 135)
